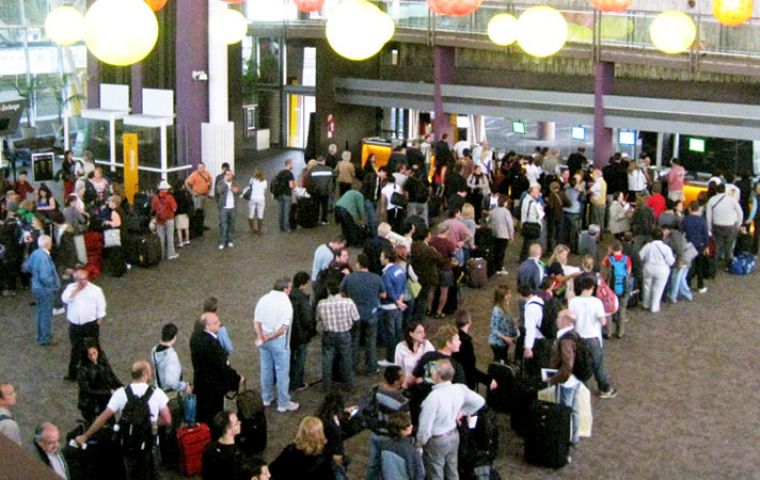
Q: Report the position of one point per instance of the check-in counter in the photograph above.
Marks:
(691, 190)
(380, 147)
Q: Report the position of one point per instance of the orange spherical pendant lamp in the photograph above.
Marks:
(454, 8)
(156, 5)
(732, 12)
(611, 5)
(310, 5)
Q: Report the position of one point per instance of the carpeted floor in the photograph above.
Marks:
(687, 408)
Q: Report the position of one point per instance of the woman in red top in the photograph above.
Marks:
(164, 206)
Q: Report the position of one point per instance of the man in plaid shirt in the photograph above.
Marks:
(337, 314)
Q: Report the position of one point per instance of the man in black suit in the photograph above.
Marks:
(47, 445)
(213, 376)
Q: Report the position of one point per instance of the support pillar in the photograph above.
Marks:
(93, 76)
(604, 79)
(136, 87)
(547, 131)
(191, 95)
(443, 73)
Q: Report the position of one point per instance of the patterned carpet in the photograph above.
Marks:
(687, 408)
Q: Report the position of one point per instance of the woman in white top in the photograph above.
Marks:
(411, 349)
(258, 187)
(637, 179)
(657, 258)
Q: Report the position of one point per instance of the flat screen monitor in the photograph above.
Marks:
(627, 137)
(518, 127)
(578, 133)
(697, 145)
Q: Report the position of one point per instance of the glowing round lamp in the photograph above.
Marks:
(228, 26)
(64, 25)
(611, 5)
(502, 29)
(348, 33)
(541, 31)
(732, 12)
(310, 5)
(120, 32)
(673, 32)
(454, 8)
(156, 5)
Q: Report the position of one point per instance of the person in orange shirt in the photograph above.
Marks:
(199, 183)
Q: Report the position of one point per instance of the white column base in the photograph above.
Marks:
(217, 146)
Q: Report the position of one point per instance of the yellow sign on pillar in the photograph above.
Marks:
(131, 178)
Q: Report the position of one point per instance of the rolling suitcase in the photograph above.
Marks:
(143, 250)
(525, 393)
(197, 221)
(191, 442)
(307, 212)
(506, 376)
(253, 423)
(477, 272)
(547, 439)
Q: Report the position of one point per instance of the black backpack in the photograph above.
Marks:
(549, 320)
(280, 184)
(135, 428)
(583, 366)
(418, 190)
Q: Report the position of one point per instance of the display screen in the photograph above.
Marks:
(518, 127)
(578, 133)
(627, 137)
(697, 145)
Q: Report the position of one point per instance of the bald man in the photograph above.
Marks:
(45, 284)
(138, 464)
(47, 444)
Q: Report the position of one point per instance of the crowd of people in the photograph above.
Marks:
(421, 221)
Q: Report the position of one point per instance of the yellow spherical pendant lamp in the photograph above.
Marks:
(228, 26)
(732, 12)
(120, 32)
(673, 32)
(502, 29)
(64, 26)
(542, 31)
(357, 30)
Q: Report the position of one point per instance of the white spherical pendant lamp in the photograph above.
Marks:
(228, 26)
(542, 31)
(673, 32)
(357, 30)
(502, 29)
(120, 32)
(64, 26)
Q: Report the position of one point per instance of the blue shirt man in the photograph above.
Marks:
(45, 283)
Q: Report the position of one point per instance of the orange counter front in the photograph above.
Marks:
(691, 192)
(382, 152)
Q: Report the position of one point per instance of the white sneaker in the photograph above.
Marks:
(702, 290)
(230, 245)
(384, 363)
(221, 247)
(176, 255)
(59, 311)
(290, 407)
(502, 272)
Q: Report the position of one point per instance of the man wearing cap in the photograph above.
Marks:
(164, 206)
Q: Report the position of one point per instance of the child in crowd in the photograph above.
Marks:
(620, 279)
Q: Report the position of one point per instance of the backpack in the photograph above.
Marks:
(618, 273)
(135, 428)
(253, 422)
(742, 264)
(369, 411)
(418, 190)
(583, 366)
(607, 296)
(280, 184)
(549, 320)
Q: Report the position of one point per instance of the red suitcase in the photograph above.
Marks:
(191, 442)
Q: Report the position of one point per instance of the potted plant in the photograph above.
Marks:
(30, 89)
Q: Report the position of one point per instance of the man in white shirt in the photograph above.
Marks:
(8, 425)
(47, 443)
(227, 191)
(536, 350)
(85, 311)
(532, 213)
(590, 318)
(271, 321)
(437, 432)
(139, 465)
(724, 218)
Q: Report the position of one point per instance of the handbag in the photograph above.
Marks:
(247, 192)
(531, 230)
(399, 200)
(689, 253)
(112, 237)
(413, 287)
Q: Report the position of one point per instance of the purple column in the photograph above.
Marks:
(191, 96)
(135, 87)
(604, 80)
(93, 76)
(443, 72)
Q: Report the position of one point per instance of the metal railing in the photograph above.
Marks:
(629, 29)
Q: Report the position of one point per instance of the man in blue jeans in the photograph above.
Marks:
(393, 306)
(45, 284)
(227, 191)
(271, 320)
(284, 183)
(365, 289)
(338, 315)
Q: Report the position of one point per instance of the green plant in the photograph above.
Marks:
(61, 87)
(30, 89)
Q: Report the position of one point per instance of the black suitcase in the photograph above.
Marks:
(525, 393)
(743, 243)
(484, 241)
(143, 250)
(547, 440)
(307, 212)
(197, 221)
(506, 375)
